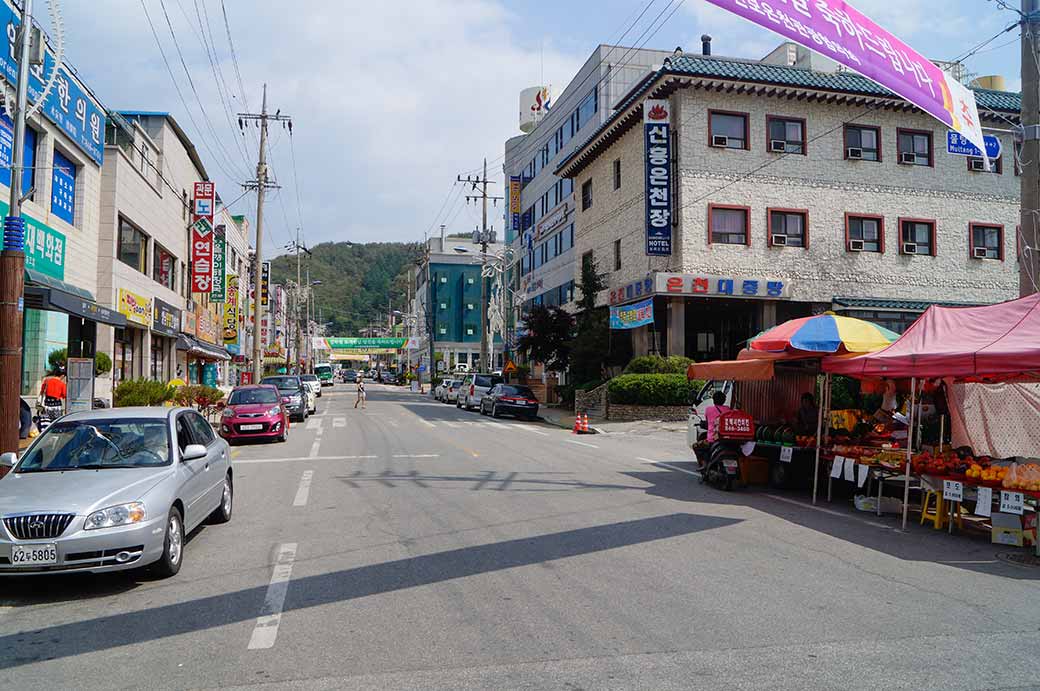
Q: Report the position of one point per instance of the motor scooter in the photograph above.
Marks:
(720, 462)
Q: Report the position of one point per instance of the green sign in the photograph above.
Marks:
(352, 343)
(219, 266)
(44, 247)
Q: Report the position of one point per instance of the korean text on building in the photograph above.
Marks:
(202, 237)
(656, 121)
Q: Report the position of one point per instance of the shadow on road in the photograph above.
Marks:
(487, 480)
(156, 623)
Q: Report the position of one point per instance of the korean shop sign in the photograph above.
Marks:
(69, 104)
(837, 30)
(44, 246)
(136, 308)
(231, 311)
(265, 282)
(722, 286)
(219, 265)
(166, 319)
(632, 316)
(658, 163)
(202, 203)
(632, 291)
(514, 202)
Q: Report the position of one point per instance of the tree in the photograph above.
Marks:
(548, 336)
(590, 348)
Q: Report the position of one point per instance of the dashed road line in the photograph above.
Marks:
(314, 447)
(392, 423)
(266, 630)
(304, 490)
(450, 424)
(416, 455)
(669, 466)
(302, 458)
(581, 443)
(829, 512)
(339, 422)
(427, 423)
(528, 428)
(314, 423)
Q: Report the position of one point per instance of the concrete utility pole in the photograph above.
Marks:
(484, 237)
(12, 259)
(1029, 266)
(261, 185)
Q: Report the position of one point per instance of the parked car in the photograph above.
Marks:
(440, 391)
(473, 388)
(254, 412)
(312, 382)
(295, 396)
(113, 489)
(388, 378)
(348, 376)
(451, 394)
(509, 399)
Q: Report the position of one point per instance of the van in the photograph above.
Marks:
(473, 388)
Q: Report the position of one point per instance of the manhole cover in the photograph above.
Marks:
(1020, 558)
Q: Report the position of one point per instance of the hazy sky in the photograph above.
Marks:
(390, 100)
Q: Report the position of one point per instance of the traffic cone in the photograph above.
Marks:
(577, 424)
(584, 423)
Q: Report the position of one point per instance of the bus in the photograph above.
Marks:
(324, 373)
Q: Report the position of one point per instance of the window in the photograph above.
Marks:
(728, 225)
(586, 260)
(788, 228)
(586, 195)
(442, 330)
(917, 236)
(862, 142)
(123, 355)
(987, 241)
(164, 267)
(201, 431)
(469, 305)
(183, 432)
(864, 233)
(588, 108)
(469, 330)
(617, 173)
(785, 135)
(63, 188)
(728, 130)
(469, 280)
(132, 246)
(976, 165)
(915, 147)
(617, 255)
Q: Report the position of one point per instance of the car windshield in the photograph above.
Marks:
(517, 391)
(487, 380)
(248, 396)
(99, 444)
(283, 383)
(309, 377)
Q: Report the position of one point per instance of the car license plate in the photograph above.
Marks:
(34, 555)
(250, 428)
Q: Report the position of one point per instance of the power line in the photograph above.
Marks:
(234, 55)
(976, 49)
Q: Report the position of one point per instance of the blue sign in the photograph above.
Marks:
(632, 316)
(28, 153)
(658, 178)
(63, 188)
(958, 144)
(68, 104)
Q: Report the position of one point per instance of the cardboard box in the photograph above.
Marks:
(1007, 529)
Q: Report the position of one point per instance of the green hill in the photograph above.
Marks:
(356, 281)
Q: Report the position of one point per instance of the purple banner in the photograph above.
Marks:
(839, 31)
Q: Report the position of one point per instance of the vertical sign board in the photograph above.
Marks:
(202, 237)
(514, 202)
(219, 264)
(656, 125)
(80, 394)
(265, 281)
(231, 313)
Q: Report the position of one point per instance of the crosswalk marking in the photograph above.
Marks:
(339, 422)
(314, 423)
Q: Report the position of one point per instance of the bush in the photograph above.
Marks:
(655, 364)
(102, 364)
(203, 398)
(652, 389)
(142, 392)
(58, 359)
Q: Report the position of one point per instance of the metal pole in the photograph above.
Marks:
(296, 308)
(261, 178)
(483, 281)
(1029, 265)
(909, 450)
(824, 386)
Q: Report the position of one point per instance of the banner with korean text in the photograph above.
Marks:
(219, 265)
(514, 202)
(265, 283)
(837, 30)
(202, 206)
(658, 163)
(231, 311)
(632, 316)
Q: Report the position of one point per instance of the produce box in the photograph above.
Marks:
(1007, 529)
(754, 470)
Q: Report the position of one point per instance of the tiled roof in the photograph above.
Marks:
(779, 75)
(893, 304)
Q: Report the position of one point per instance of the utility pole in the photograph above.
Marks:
(261, 185)
(1029, 265)
(484, 237)
(12, 259)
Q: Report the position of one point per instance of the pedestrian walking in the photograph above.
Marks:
(361, 393)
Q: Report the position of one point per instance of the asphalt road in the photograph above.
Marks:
(415, 546)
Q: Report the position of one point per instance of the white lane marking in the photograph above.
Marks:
(339, 422)
(314, 423)
(301, 458)
(416, 455)
(314, 448)
(528, 428)
(266, 630)
(390, 422)
(580, 443)
(450, 424)
(427, 423)
(669, 466)
(304, 490)
(830, 512)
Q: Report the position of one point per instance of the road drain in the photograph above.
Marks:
(1020, 558)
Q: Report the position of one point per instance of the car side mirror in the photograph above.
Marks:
(7, 460)
(193, 452)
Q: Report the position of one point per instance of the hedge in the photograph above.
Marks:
(655, 364)
(652, 389)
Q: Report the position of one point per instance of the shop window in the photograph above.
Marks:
(788, 228)
(617, 173)
(914, 147)
(123, 356)
(864, 233)
(785, 135)
(63, 188)
(862, 143)
(728, 130)
(132, 246)
(158, 372)
(617, 255)
(917, 236)
(728, 225)
(586, 195)
(28, 154)
(164, 267)
(976, 165)
(987, 241)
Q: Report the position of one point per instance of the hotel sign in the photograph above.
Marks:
(722, 286)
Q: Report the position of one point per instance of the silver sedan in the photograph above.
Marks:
(114, 489)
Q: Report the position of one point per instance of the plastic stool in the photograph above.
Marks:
(939, 515)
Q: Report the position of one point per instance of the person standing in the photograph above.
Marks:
(54, 387)
(361, 393)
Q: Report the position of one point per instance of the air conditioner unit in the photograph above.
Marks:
(908, 158)
(979, 252)
(854, 152)
(977, 164)
(777, 145)
(909, 248)
(855, 245)
(779, 240)
(720, 140)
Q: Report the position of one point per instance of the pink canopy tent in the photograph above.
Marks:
(994, 342)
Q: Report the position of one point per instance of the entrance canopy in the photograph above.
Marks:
(992, 343)
(200, 348)
(44, 292)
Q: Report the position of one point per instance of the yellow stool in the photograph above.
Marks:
(939, 514)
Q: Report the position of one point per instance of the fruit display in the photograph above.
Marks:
(805, 440)
(948, 462)
(1023, 477)
(986, 474)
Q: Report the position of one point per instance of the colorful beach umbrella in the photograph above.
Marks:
(824, 333)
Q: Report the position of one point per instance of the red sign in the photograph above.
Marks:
(736, 424)
(202, 208)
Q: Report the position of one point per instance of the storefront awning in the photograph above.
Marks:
(199, 348)
(44, 292)
(736, 370)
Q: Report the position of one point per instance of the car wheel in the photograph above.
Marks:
(482, 409)
(458, 402)
(222, 514)
(494, 410)
(285, 433)
(173, 546)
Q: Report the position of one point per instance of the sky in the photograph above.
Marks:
(391, 101)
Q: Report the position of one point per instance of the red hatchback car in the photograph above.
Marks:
(254, 412)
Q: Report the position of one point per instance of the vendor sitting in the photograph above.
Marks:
(808, 415)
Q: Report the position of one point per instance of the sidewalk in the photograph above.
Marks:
(565, 419)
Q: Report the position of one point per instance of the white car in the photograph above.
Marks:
(312, 383)
(440, 392)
